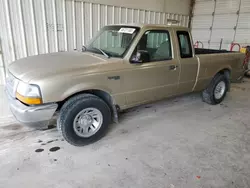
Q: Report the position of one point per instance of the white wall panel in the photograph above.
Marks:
(177, 6)
(61, 29)
(172, 6)
(7, 40)
(215, 46)
(204, 7)
(201, 35)
(225, 34)
(41, 26)
(242, 36)
(225, 21)
(245, 6)
(227, 6)
(51, 25)
(230, 22)
(202, 22)
(31, 27)
(244, 21)
(2, 70)
(18, 35)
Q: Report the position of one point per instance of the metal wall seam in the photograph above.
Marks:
(74, 24)
(65, 26)
(186, 21)
(211, 32)
(106, 22)
(174, 16)
(138, 19)
(159, 19)
(83, 23)
(106, 14)
(154, 18)
(9, 28)
(45, 27)
(34, 26)
(164, 18)
(236, 26)
(144, 16)
(98, 16)
(2, 65)
(120, 14)
(149, 15)
(132, 15)
(55, 25)
(91, 18)
(181, 20)
(113, 14)
(126, 19)
(22, 29)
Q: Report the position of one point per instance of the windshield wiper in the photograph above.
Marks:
(104, 53)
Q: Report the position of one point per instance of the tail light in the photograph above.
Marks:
(246, 50)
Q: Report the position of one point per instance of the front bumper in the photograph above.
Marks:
(32, 115)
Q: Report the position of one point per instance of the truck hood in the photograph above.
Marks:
(47, 65)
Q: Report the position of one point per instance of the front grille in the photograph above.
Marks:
(11, 84)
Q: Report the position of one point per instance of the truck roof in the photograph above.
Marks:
(141, 25)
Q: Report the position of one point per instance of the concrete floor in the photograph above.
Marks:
(5, 114)
(180, 142)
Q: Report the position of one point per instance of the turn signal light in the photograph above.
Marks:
(28, 100)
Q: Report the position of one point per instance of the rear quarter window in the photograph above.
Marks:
(184, 44)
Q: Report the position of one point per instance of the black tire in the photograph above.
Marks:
(208, 94)
(71, 108)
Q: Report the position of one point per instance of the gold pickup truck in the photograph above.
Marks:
(122, 66)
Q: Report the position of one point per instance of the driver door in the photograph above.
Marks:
(157, 77)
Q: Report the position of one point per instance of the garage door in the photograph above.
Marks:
(219, 23)
(43, 26)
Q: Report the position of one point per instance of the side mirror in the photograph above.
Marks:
(141, 56)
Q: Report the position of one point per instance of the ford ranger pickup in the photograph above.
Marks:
(123, 66)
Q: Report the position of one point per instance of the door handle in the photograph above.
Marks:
(173, 67)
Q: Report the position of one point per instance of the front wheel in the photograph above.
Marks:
(217, 90)
(84, 119)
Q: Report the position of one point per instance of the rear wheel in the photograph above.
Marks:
(217, 90)
(84, 119)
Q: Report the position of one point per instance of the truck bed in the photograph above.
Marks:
(199, 51)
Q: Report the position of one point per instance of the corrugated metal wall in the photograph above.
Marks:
(31, 27)
(221, 19)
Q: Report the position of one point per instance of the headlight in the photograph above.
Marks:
(28, 94)
(7, 74)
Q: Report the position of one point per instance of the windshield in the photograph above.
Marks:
(113, 41)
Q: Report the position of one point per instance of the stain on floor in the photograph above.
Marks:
(12, 127)
(39, 150)
(50, 141)
(53, 149)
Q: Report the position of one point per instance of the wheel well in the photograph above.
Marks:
(106, 97)
(226, 72)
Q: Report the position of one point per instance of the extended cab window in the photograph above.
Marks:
(184, 44)
(156, 44)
